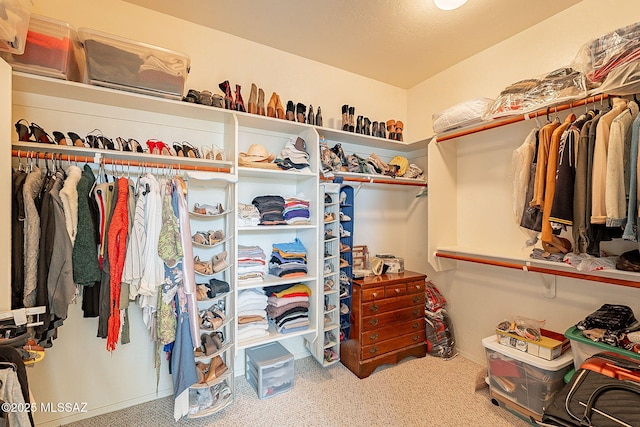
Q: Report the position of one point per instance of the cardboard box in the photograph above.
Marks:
(551, 345)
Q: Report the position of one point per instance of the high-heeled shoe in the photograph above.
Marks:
(345, 118)
(279, 108)
(24, 134)
(40, 135)
(260, 107)
(159, 148)
(252, 105)
(271, 106)
(311, 118)
(239, 101)
(301, 110)
(190, 151)
(178, 149)
(76, 139)
(135, 146)
(59, 138)
(319, 117)
(291, 111)
(229, 104)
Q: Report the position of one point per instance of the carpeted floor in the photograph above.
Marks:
(428, 392)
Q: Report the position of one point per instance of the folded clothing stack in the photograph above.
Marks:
(271, 209)
(251, 263)
(288, 259)
(296, 210)
(248, 215)
(288, 307)
(252, 314)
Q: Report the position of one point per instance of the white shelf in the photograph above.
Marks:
(221, 242)
(271, 280)
(371, 141)
(277, 174)
(273, 335)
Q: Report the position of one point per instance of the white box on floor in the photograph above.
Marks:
(269, 369)
(527, 380)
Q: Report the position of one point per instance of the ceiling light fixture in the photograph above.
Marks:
(449, 4)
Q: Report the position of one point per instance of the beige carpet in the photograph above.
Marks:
(427, 392)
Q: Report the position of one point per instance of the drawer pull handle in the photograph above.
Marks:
(397, 290)
(416, 311)
(373, 350)
(373, 336)
(415, 325)
(416, 299)
(374, 308)
(373, 322)
(415, 338)
(374, 294)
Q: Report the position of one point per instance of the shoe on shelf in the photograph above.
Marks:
(328, 217)
(328, 268)
(344, 263)
(328, 234)
(328, 285)
(220, 262)
(343, 197)
(344, 248)
(329, 337)
(343, 232)
(205, 209)
(344, 308)
(202, 292)
(328, 199)
(344, 279)
(344, 217)
(202, 267)
(330, 355)
(344, 292)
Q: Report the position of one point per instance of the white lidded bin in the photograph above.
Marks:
(527, 380)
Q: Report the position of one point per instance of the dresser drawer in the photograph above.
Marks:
(372, 294)
(369, 351)
(390, 304)
(415, 287)
(392, 317)
(395, 290)
(382, 334)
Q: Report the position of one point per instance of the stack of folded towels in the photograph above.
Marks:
(252, 314)
(288, 259)
(296, 210)
(271, 209)
(251, 263)
(288, 307)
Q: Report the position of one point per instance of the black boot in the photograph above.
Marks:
(352, 112)
(382, 131)
(291, 111)
(374, 129)
(301, 111)
(359, 125)
(345, 117)
(366, 126)
(319, 117)
(311, 118)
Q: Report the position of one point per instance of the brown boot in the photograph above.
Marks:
(391, 129)
(225, 87)
(279, 108)
(399, 129)
(271, 106)
(260, 105)
(239, 100)
(252, 104)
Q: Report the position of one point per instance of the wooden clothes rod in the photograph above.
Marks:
(499, 123)
(523, 267)
(29, 154)
(380, 181)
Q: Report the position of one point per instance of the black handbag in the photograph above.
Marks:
(595, 400)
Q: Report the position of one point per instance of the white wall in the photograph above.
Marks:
(480, 296)
(78, 368)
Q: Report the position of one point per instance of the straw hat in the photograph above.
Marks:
(257, 153)
(401, 162)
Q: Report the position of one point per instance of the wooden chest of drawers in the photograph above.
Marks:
(387, 322)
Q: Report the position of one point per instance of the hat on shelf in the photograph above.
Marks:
(257, 153)
(401, 162)
(557, 244)
(377, 266)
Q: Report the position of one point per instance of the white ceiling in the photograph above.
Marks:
(400, 42)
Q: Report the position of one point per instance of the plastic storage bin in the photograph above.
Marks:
(582, 347)
(269, 369)
(14, 23)
(50, 50)
(120, 63)
(527, 380)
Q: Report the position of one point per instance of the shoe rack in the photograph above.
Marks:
(326, 348)
(346, 199)
(218, 342)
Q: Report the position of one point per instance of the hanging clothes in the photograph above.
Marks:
(117, 240)
(580, 219)
(69, 197)
(544, 138)
(592, 230)
(631, 227)
(104, 193)
(599, 174)
(31, 192)
(617, 175)
(550, 184)
(18, 177)
(182, 364)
